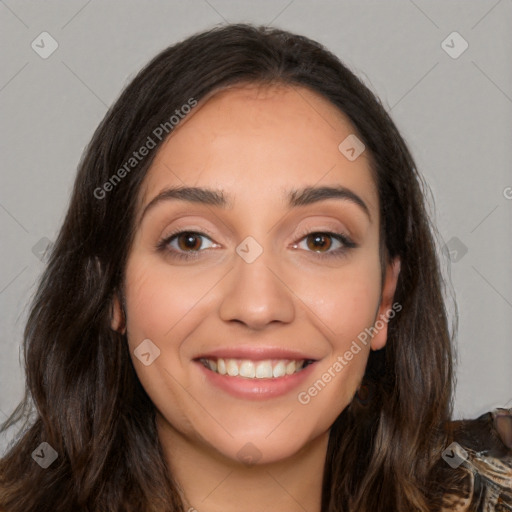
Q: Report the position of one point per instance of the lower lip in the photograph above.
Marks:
(256, 389)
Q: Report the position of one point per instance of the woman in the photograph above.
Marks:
(243, 309)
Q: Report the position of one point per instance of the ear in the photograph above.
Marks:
(386, 310)
(117, 322)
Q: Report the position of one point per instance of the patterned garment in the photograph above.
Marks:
(478, 464)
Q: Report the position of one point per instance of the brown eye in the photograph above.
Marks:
(326, 244)
(319, 241)
(189, 241)
(185, 244)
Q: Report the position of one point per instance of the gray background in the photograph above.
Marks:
(455, 114)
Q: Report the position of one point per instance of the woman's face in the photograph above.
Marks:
(258, 287)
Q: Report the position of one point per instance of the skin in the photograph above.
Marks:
(254, 143)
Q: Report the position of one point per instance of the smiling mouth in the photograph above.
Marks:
(265, 369)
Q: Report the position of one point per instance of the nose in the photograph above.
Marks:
(255, 294)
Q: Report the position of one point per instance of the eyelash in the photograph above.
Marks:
(347, 244)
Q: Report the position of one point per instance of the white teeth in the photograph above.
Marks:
(279, 369)
(232, 368)
(247, 369)
(264, 370)
(221, 367)
(254, 369)
(290, 368)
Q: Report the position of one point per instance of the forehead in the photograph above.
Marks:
(258, 141)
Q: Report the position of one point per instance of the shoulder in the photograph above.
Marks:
(478, 463)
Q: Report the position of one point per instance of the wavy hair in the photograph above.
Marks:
(82, 394)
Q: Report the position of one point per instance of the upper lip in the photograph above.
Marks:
(255, 353)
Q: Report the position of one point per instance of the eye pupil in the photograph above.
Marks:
(317, 238)
(189, 241)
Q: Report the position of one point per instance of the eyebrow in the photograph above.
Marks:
(296, 197)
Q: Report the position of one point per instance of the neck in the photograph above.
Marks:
(212, 482)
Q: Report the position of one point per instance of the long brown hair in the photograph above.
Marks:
(81, 387)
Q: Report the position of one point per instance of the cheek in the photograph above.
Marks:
(344, 308)
(160, 302)
(163, 306)
(343, 300)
